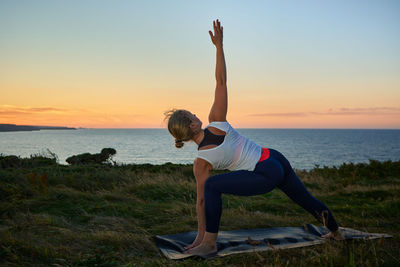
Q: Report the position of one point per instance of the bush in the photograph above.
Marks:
(103, 157)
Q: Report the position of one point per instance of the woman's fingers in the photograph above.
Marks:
(186, 251)
(188, 247)
(217, 26)
(218, 31)
(212, 36)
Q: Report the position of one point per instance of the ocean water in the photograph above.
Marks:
(305, 148)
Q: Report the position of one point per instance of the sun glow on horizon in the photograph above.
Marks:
(123, 64)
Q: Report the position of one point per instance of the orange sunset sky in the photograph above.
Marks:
(121, 64)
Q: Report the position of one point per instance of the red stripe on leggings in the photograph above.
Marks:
(264, 154)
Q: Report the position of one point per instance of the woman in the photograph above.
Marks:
(255, 170)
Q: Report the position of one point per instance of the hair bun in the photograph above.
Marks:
(178, 143)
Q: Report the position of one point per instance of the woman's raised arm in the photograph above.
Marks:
(220, 105)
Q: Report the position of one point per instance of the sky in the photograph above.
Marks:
(122, 64)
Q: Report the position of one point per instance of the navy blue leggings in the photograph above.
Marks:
(268, 174)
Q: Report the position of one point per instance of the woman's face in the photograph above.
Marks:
(196, 122)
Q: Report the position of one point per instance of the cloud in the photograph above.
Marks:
(7, 110)
(46, 109)
(370, 111)
(363, 111)
(290, 114)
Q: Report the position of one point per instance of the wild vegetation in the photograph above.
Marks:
(108, 214)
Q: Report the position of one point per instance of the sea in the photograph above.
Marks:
(305, 148)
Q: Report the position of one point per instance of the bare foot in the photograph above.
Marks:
(202, 250)
(337, 235)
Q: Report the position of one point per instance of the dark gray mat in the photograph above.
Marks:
(237, 241)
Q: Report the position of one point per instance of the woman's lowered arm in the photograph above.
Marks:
(220, 105)
(201, 171)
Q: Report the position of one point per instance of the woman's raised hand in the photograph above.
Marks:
(216, 38)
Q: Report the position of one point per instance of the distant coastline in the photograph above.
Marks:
(15, 128)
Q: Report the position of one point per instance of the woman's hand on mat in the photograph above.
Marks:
(217, 37)
(195, 243)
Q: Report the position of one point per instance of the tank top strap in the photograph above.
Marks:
(222, 125)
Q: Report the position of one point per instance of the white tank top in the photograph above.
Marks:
(235, 153)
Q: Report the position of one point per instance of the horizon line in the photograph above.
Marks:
(293, 128)
(261, 128)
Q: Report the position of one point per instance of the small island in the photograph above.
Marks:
(14, 127)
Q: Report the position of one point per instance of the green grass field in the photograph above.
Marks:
(105, 215)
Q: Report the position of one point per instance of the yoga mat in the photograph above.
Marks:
(236, 241)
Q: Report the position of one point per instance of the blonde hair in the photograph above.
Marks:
(179, 125)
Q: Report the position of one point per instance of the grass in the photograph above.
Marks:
(107, 215)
